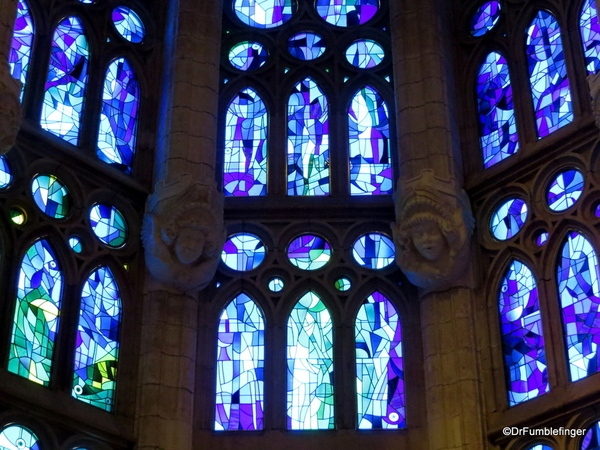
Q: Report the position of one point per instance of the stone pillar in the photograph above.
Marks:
(433, 231)
(183, 229)
(8, 12)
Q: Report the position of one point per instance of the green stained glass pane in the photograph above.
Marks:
(343, 284)
(51, 196)
(309, 252)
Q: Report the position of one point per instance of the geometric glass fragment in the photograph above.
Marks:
(243, 251)
(343, 284)
(485, 18)
(51, 196)
(508, 219)
(369, 144)
(15, 437)
(579, 291)
(522, 335)
(75, 244)
(97, 344)
(308, 140)
(306, 46)
(5, 172)
(37, 313)
(109, 225)
(591, 440)
(240, 366)
(264, 13)
(541, 238)
(379, 366)
(365, 53)
(245, 159)
(309, 252)
(548, 75)
(248, 55)
(66, 82)
(564, 190)
(497, 125)
(119, 116)
(310, 366)
(128, 24)
(590, 35)
(347, 13)
(276, 284)
(373, 251)
(22, 40)
(17, 215)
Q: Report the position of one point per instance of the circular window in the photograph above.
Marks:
(243, 251)
(128, 24)
(365, 53)
(5, 173)
(373, 251)
(264, 13)
(248, 55)
(276, 284)
(343, 284)
(508, 219)
(347, 13)
(109, 225)
(309, 252)
(75, 244)
(565, 190)
(51, 196)
(306, 46)
(485, 18)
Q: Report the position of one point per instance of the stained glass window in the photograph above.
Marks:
(522, 335)
(276, 284)
(365, 53)
(508, 219)
(308, 140)
(379, 366)
(118, 119)
(75, 244)
(310, 366)
(497, 125)
(240, 366)
(109, 225)
(5, 173)
(590, 35)
(548, 75)
(343, 284)
(306, 46)
(15, 437)
(309, 252)
(591, 440)
(597, 210)
(564, 190)
(245, 165)
(97, 347)
(22, 40)
(542, 238)
(17, 215)
(66, 82)
(243, 251)
(128, 24)
(37, 313)
(541, 447)
(264, 13)
(577, 276)
(485, 18)
(373, 251)
(248, 55)
(369, 141)
(51, 196)
(347, 13)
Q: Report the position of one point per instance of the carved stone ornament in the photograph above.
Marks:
(183, 232)
(594, 84)
(432, 232)
(10, 108)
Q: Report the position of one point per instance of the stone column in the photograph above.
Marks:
(183, 229)
(8, 12)
(433, 232)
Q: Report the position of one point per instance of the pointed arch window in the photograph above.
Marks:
(522, 335)
(22, 41)
(240, 366)
(590, 35)
(66, 82)
(310, 365)
(37, 314)
(379, 365)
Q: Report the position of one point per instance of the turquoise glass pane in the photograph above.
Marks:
(373, 251)
(343, 284)
(264, 13)
(5, 172)
(243, 251)
(128, 24)
(76, 244)
(309, 252)
(306, 46)
(22, 41)
(248, 55)
(276, 284)
(590, 35)
(508, 219)
(51, 196)
(485, 18)
(365, 54)
(109, 225)
(15, 437)
(347, 13)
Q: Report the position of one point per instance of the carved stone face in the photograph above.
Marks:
(429, 240)
(189, 245)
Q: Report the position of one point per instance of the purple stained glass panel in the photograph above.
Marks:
(243, 251)
(590, 35)
(485, 18)
(347, 13)
(128, 24)
(248, 55)
(522, 335)
(591, 440)
(245, 161)
(565, 190)
(497, 124)
(22, 41)
(240, 366)
(577, 276)
(308, 140)
(365, 54)
(66, 82)
(369, 139)
(264, 13)
(508, 219)
(119, 116)
(548, 75)
(309, 252)
(373, 251)
(306, 46)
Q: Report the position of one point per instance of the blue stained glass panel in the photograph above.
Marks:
(347, 13)
(485, 18)
(15, 437)
(248, 55)
(369, 142)
(37, 314)
(522, 335)
(276, 284)
(22, 41)
(373, 251)
(590, 35)
(540, 447)
(243, 251)
(548, 75)
(306, 46)
(379, 365)
(97, 344)
(365, 54)
(66, 82)
(308, 140)
(565, 190)
(51, 196)
(245, 161)
(542, 238)
(119, 116)
(497, 124)
(310, 366)
(128, 24)
(264, 13)
(76, 244)
(5, 172)
(591, 440)
(240, 366)
(508, 219)
(309, 252)
(579, 291)
(109, 225)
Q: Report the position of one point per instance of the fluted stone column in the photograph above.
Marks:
(183, 227)
(430, 192)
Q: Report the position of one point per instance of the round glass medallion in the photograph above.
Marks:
(485, 18)
(373, 251)
(306, 46)
(565, 190)
(109, 225)
(276, 284)
(264, 13)
(248, 55)
(541, 238)
(128, 24)
(343, 284)
(508, 219)
(51, 196)
(5, 173)
(18, 216)
(309, 252)
(365, 53)
(347, 13)
(75, 244)
(243, 251)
